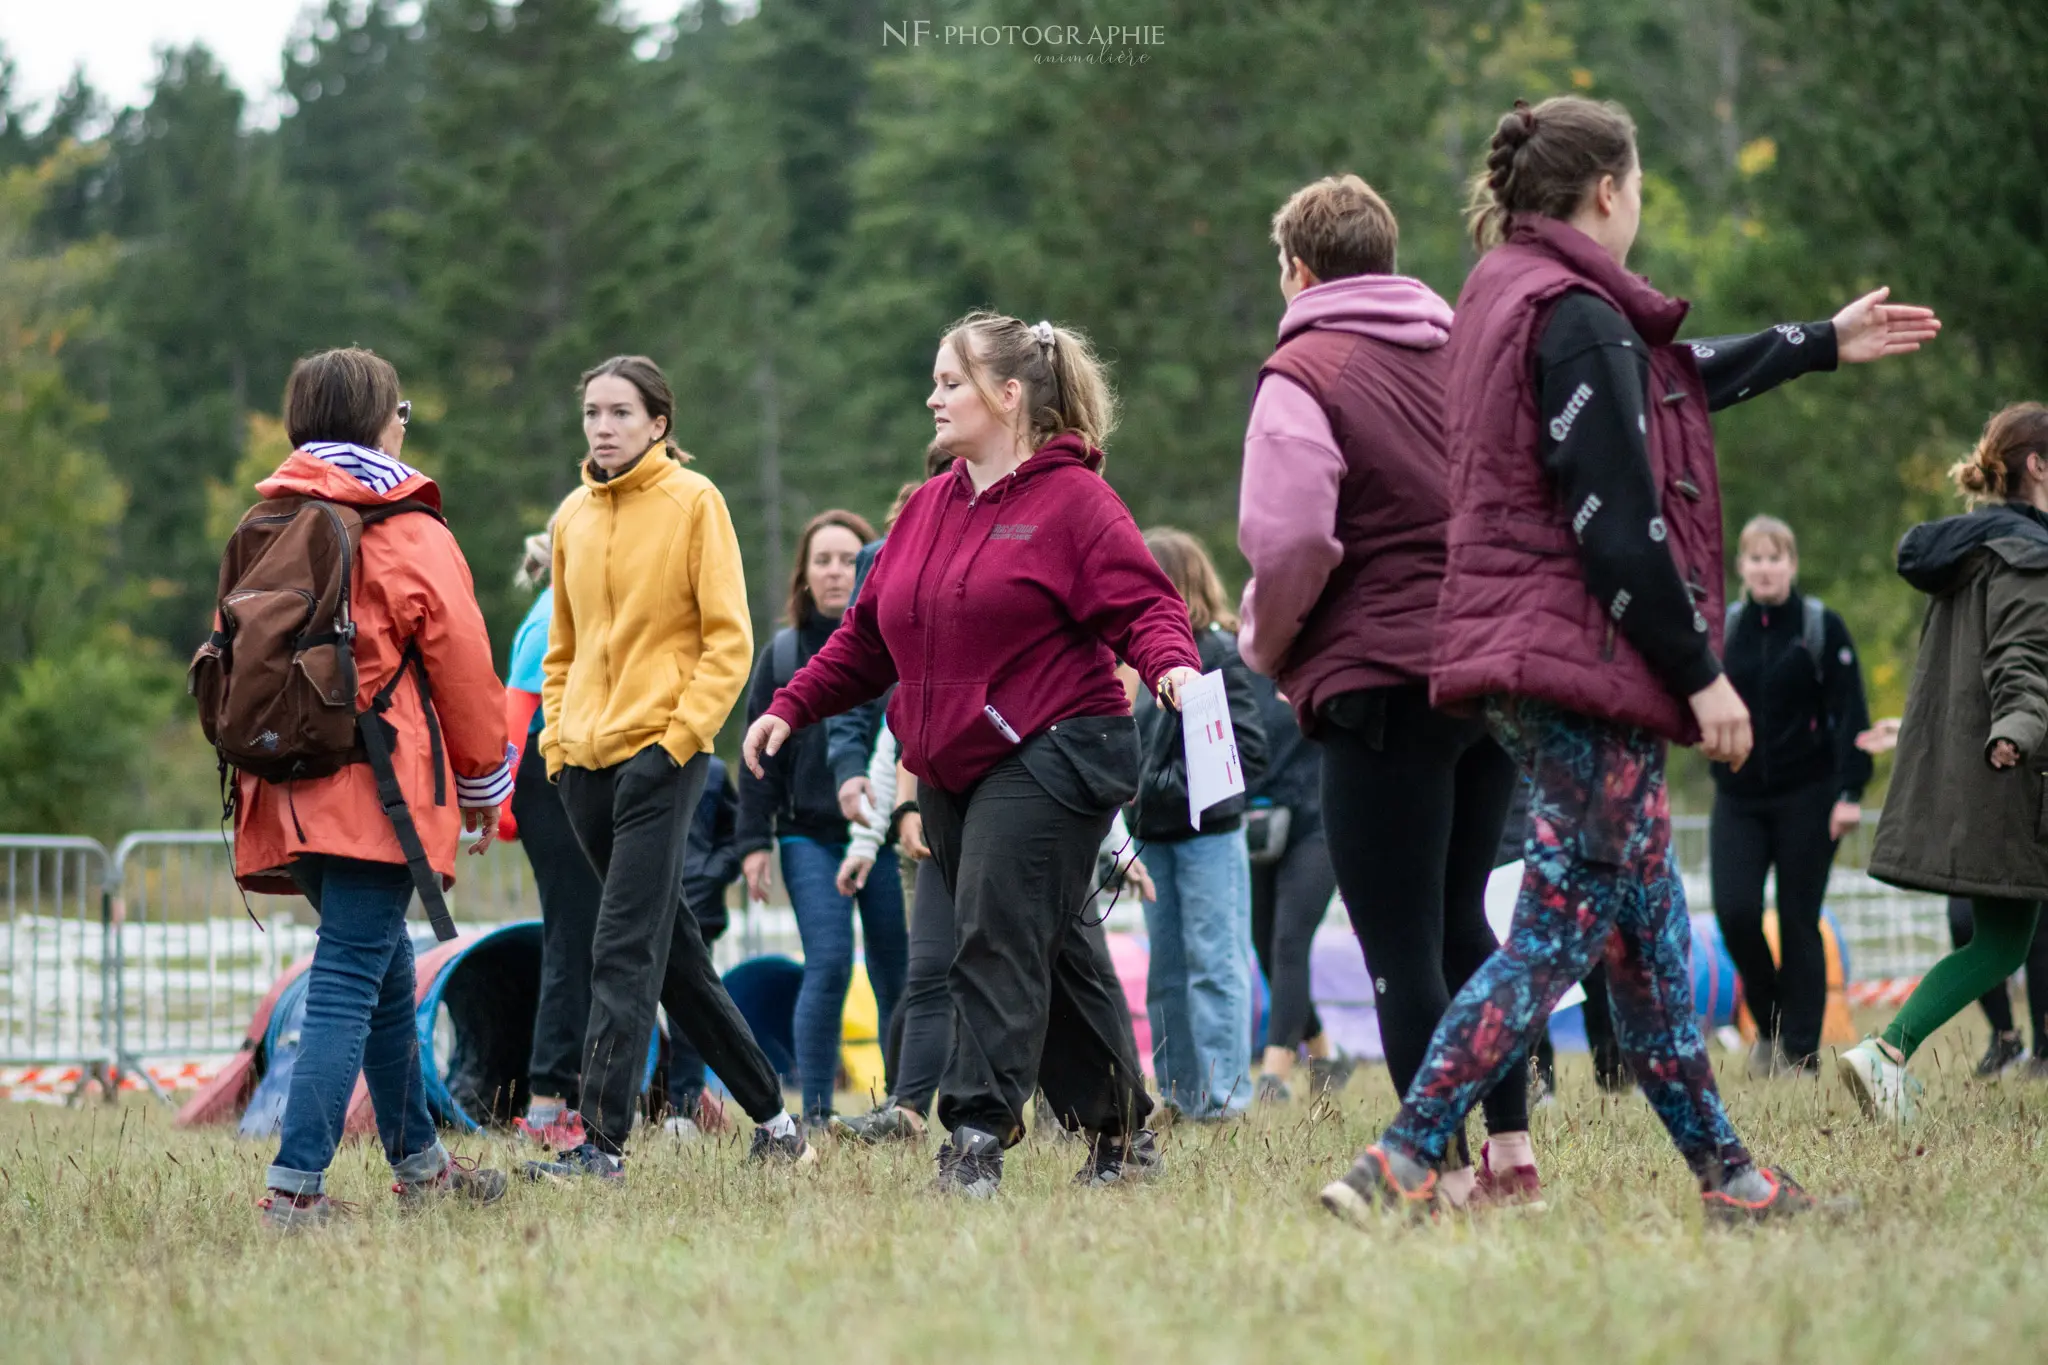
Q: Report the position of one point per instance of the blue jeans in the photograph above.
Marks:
(1198, 991)
(359, 1018)
(824, 919)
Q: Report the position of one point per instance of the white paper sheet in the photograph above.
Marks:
(1214, 771)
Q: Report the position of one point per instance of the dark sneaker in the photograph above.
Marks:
(1785, 1200)
(791, 1149)
(1120, 1160)
(2006, 1051)
(582, 1162)
(1370, 1188)
(461, 1178)
(971, 1164)
(1272, 1090)
(886, 1122)
(1327, 1075)
(282, 1212)
(564, 1132)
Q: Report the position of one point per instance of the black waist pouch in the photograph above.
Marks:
(1089, 764)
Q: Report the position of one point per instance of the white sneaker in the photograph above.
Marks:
(1883, 1088)
(681, 1129)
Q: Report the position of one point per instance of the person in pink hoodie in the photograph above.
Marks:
(999, 605)
(1342, 516)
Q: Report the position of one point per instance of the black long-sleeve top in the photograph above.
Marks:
(1592, 385)
(796, 795)
(1806, 713)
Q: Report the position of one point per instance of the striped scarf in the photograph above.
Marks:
(373, 469)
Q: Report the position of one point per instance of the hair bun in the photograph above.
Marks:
(1510, 135)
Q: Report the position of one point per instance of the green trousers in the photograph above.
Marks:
(2005, 931)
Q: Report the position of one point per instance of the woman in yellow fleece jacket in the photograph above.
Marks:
(648, 650)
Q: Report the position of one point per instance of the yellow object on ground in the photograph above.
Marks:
(860, 1037)
(1835, 1025)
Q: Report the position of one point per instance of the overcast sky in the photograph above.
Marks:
(115, 41)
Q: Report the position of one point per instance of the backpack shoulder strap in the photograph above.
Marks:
(782, 656)
(1813, 633)
(385, 511)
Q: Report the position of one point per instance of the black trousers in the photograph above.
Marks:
(924, 1016)
(1413, 805)
(1036, 1003)
(569, 892)
(1749, 836)
(633, 820)
(1996, 1003)
(1289, 899)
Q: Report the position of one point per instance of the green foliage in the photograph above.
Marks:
(75, 730)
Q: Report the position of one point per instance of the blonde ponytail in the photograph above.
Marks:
(1064, 381)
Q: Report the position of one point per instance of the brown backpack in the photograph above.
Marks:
(276, 681)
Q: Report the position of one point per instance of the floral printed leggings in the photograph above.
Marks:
(1599, 876)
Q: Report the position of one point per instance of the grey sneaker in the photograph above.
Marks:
(1326, 1075)
(886, 1122)
(284, 1212)
(1120, 1160)
(461, 1177)
(582, 1162)
(2007, 1050)
(1272, 1090)
(791, 1149)
(971, 1164)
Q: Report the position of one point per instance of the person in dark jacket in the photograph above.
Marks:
(1198, 988)
(1794, 666)
(794, 804)
(1292, 883)
(999, 607)
(1963, 815)
(1578, 612)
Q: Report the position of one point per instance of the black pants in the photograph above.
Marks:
(1413, 805)
(633, 820)
(569, 892)
(1289, 899)
(685, 1063)
(1748, 836)
(924, 1016)
(1035, 1002)
(1997, 1004)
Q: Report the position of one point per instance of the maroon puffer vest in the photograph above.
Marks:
(1373, 625)
(1515, 616)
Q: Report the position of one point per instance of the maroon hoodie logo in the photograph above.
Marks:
(1011, 531)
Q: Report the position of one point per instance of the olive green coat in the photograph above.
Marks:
(1952, 823)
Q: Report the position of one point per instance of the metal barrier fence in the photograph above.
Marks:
(110, 961)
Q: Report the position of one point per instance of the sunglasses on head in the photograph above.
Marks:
(405, 412)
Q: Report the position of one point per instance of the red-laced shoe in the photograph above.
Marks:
(283, 1211)
(1370, 1188)
(563, 1132)
(461, 1177)
(1511, 1189)
(1784, 1200)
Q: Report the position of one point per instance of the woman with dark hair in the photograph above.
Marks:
(794, 805)
(646, 654)
(333, 839)
(999, 606)
(1578, 612)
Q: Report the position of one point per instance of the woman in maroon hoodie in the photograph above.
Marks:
(999, 606)
(1583, 589)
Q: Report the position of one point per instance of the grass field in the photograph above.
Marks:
(122, 1239)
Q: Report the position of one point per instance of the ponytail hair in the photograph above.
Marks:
(1065, 388)
(1997, 469)
(1543, 159)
